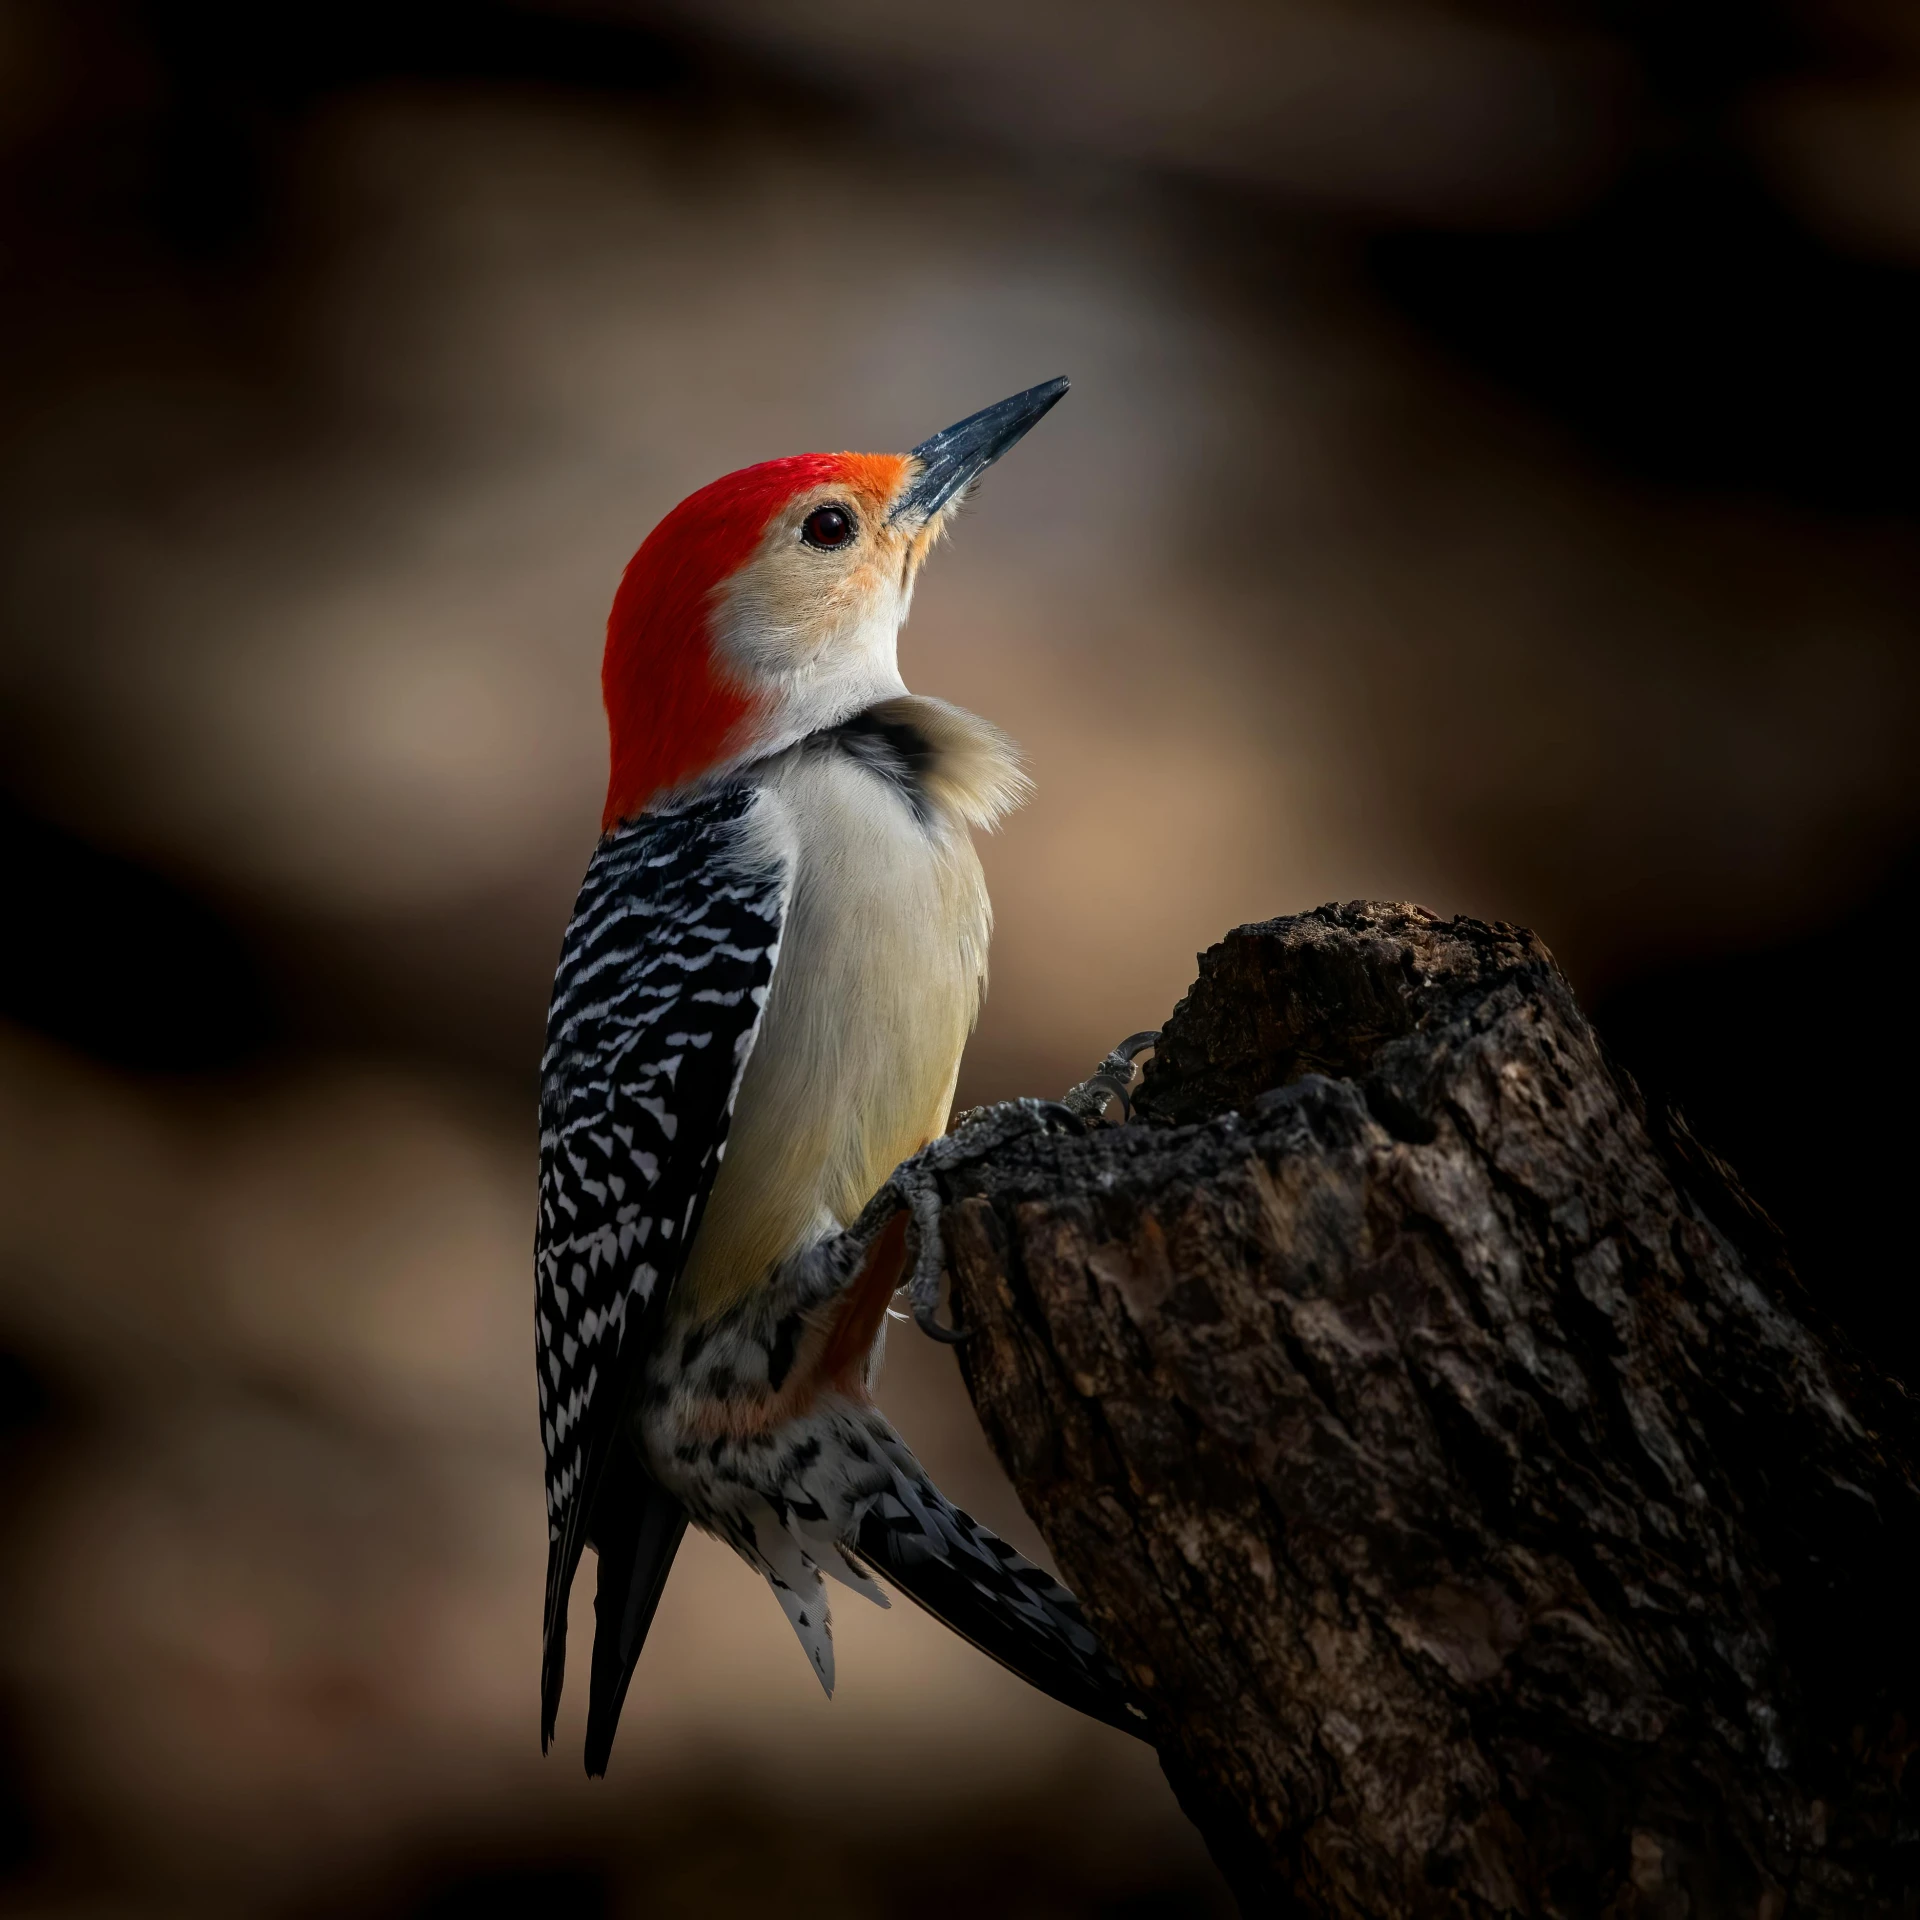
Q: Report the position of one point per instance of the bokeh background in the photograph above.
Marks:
(1490, 480)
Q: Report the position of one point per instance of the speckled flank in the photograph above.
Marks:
(799, 1473)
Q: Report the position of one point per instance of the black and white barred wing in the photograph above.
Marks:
(663, 974)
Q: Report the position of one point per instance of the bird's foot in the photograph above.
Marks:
(976, 1133)
(914, 1188)
(1113, 1078)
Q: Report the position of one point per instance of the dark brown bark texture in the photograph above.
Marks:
(1444, 1444)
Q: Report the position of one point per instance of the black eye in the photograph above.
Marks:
(827, 527)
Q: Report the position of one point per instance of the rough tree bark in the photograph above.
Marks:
(1442, 1441)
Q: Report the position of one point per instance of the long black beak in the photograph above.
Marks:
(959, 454)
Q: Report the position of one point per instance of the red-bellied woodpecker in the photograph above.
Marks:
(775, 961)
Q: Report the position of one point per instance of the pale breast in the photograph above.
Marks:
(882, 964)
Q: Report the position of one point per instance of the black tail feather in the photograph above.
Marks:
(637, 1527)
(973, 1583)
(563, 1557)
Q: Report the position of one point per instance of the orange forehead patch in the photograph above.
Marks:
(876, 477)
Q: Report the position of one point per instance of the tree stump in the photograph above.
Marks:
(1443, 1443)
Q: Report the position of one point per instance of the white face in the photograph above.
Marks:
(810, 624)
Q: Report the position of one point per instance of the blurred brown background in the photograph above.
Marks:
(1490, 479)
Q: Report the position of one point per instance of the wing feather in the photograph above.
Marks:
(663, 976)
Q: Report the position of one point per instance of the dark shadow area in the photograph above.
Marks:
(1687, 326)
(521, 1892)
(20, 1839)
(111, 958)
(216, 91)
(1687, 330)
(1796, 1063)
(701, 1857)
(30, 1409)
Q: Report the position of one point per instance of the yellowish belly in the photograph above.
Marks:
(877, 986)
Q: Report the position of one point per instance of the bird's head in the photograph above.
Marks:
(768, 604)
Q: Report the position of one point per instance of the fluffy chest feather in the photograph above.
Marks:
(882, 966)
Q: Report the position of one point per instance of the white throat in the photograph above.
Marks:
(809, 673)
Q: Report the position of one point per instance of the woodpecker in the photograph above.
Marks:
(776, 957)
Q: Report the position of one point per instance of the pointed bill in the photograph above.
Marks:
(960, 453)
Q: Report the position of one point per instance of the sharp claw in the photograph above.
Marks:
(913, 1190)
(925, 1260)
(1112, 1079)
(924, 1312)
